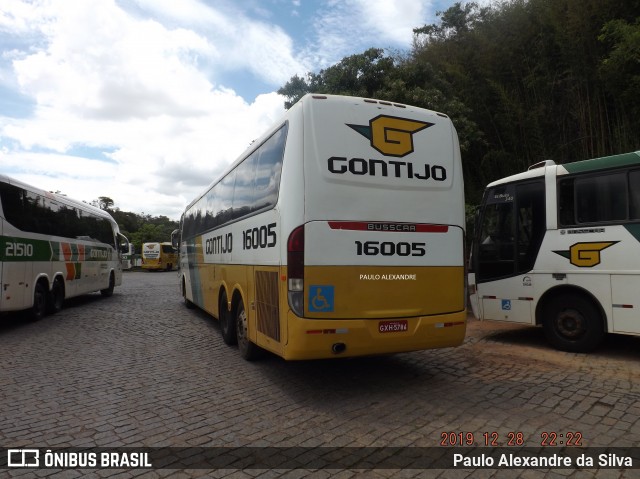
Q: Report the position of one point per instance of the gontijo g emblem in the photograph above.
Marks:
(586, 255)
(390, 135)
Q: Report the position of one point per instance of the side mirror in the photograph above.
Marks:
(175, 239)
(123, 243)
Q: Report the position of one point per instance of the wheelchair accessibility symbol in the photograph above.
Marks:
(320, 299)
(506, 305)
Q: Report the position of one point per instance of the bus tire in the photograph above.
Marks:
(227, 324)
(573, 323)
(187, 303)
(248, 350)
(108, 291)
(39, 308)
(56, 297)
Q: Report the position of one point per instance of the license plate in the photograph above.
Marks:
(393, 326)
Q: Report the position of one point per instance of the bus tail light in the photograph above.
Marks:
(295, 270)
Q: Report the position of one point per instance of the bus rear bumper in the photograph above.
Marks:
(319, 339)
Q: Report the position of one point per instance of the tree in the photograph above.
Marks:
(138, 227)
(531, 73)
(522, 80)
(149, 233)
(105, 203)
(456, 20)
(294, 89)
(620, 71)
(357, 75)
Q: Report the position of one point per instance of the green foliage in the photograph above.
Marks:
(620, 69)
(522, 80)
(104, 202)
(456, 21)
(149, 233)
(541, 80)
(295, 89)
(141, 228)
(357, 75)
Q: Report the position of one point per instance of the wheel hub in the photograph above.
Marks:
(571, 324)
(242, 325)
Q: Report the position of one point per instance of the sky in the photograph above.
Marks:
(148, 101)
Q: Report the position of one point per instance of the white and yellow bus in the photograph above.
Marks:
(559, 246)
(53, 248)
(159, 256)
(340, 232)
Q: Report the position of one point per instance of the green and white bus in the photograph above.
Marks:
(52, 248)
(559, 246)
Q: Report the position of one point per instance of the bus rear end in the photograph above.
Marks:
(151, 258)
(378, 264)
(159, 256)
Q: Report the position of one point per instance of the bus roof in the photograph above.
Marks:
(594, 164)
(525, 175)
(309, 97)
(605, 162)
(57, 197)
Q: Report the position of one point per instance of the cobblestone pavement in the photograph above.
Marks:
(139, 369)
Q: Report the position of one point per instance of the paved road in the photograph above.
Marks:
(139, 369)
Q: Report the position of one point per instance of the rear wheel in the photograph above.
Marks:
(56, 297)
(187, 303)
(39, 308)
(108, 291)
(248, 350)
(227, 324)
(573, 323)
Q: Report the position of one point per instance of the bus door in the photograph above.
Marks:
(509, 230)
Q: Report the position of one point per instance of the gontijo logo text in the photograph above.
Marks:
(391, 136)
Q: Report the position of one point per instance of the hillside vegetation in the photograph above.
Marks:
(522, 80)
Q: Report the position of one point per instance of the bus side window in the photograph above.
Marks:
(602, 198)
(634, 195)
(243, 188)
(268, 169)
(224, 193)
(566, 203)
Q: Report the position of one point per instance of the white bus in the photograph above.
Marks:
(128, 257)
(339, 232)
(558, 246)
(53, 248)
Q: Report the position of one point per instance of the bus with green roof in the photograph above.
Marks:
(558, 246)
(53, 248)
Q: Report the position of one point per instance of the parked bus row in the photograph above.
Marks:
(347, 239)
(340, 232)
